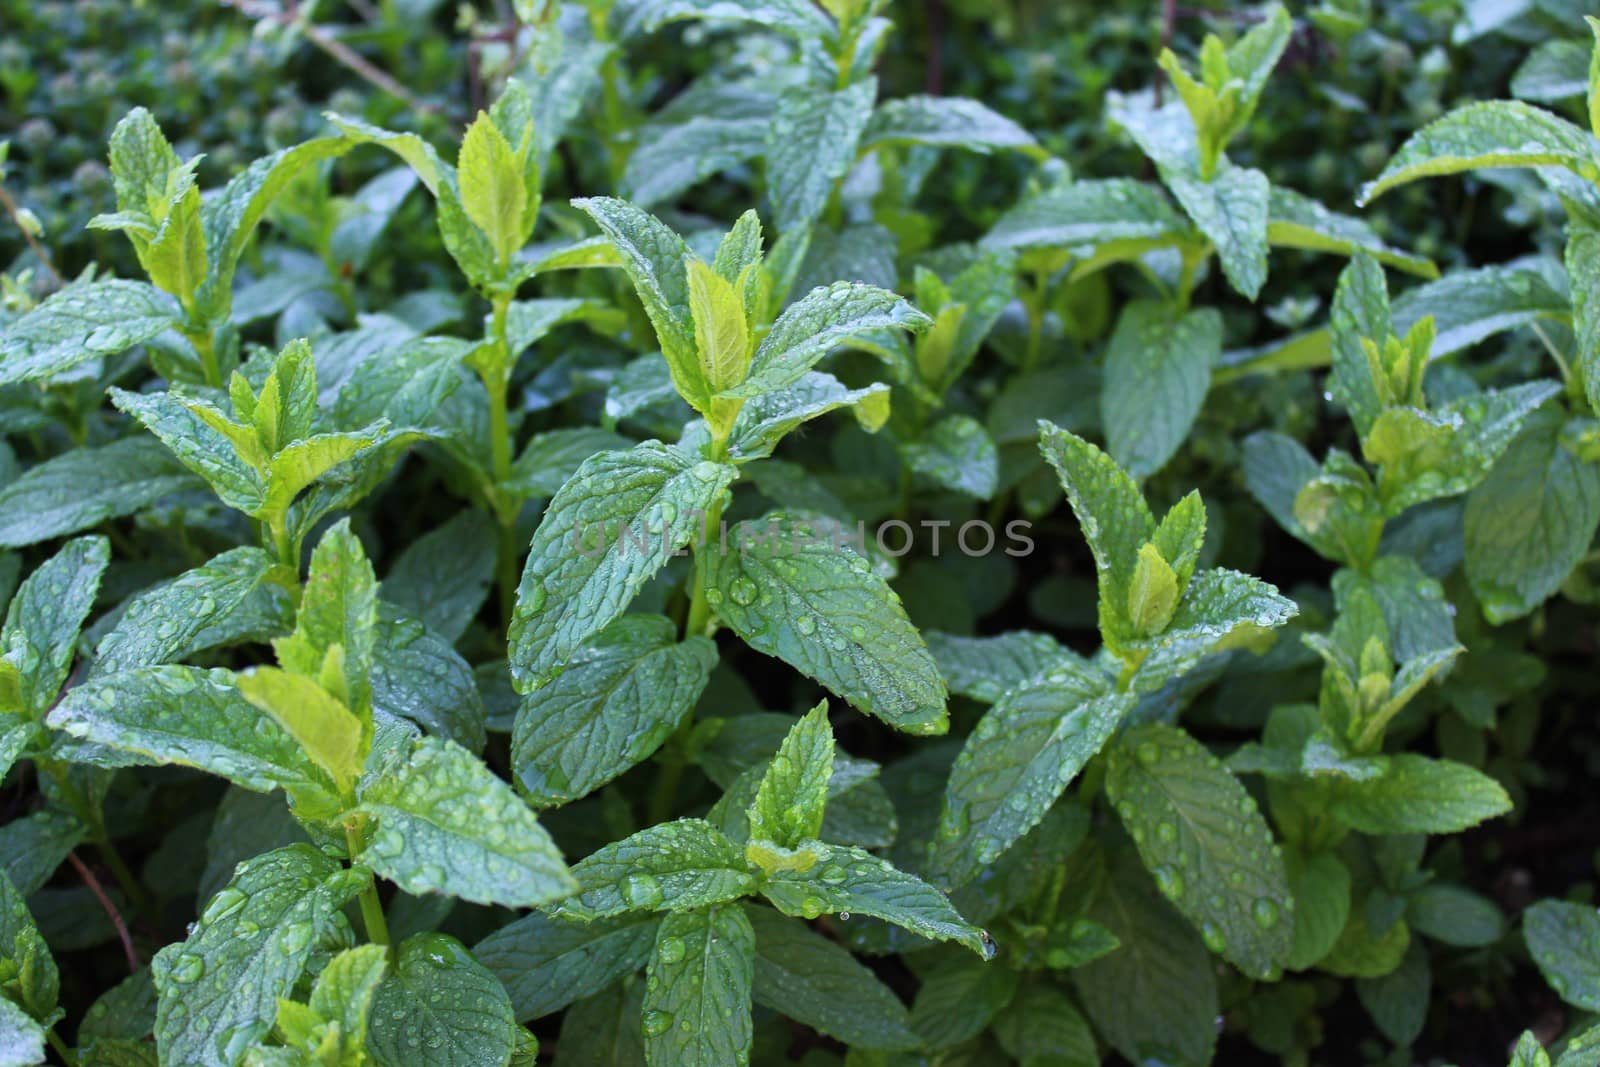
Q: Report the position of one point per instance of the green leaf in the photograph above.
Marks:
(40, 638)
(551, 458)
(766, 419)
(1156, 995)
(1297, 221)
(958, 998)
(1554, 71)
(493, 193)
(240, 595)
(186, 427)
(1496, 133)
(1202, 837)
(796, 18)
(1158, 370)
(956, 453)
(1321, 887)
(852, 880)
(547, 963)
(790, 592)
(1089, 214)
(985, 668)
(1530, 521)
(1398, 1001)
(1041, 1026)
(826, 318)
(21, 1039)
(697, 990)
(440, 1007)
(326, 731)
(794, 790)
(1231, 210)
(33, 977)
(1017, 762)
(1583, 270)
(1111, 511)
(608, 530)
(443, 576)
(219, 988)
(447, 825)
(230, 217)
(672, 866)
(1528, 1052)
(82, 488)
(1564, 940)
(803, 975)
(1469, 306)
(1219, 609)
(416, 675)
(1418, 795)
(33, 846)
(84, 321)
(654, 259)
(1455, 916)
(620, 697)
(811, 145)
(191, 717)
(673, 157)
(946, 122)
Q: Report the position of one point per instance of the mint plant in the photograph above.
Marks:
(562, 558)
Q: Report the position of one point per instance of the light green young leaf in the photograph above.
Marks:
(811, 145)
(620, 697)
(333, 635)
(784, 586)
(1530, 521)
(958, 454)
(794, 790)
(240, 595)
(219, 988)
(672, 866)
(547, 963)
(447, 824)
(1157, 372)
(191, 717)
(344, 992)
(946, 122)
(1220, 607)
(608, 530)
(1564, 939)
(1211, 853)
(439, 1006)
(985, 668)
(84, 321)
(766, 419)
(326, 731)
(1297, 221)
(1017, 762)
(40, 637)
(721, 334)
(1156, 995)
(492, 190)
(1418, 795)
(803, 975)
(1495, 133)
(82, 488)
(826, 318)
(312, 458)
(853, 880)
(697, 990)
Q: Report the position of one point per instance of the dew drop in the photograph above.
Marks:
(1265, 912)
(656, 1023)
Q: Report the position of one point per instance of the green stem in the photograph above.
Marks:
(68, 1057)
(371, 907)
(282, 543)
(205, 347)
(699, 620)
(497, 380)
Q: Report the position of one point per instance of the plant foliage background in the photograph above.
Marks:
(437, 445)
